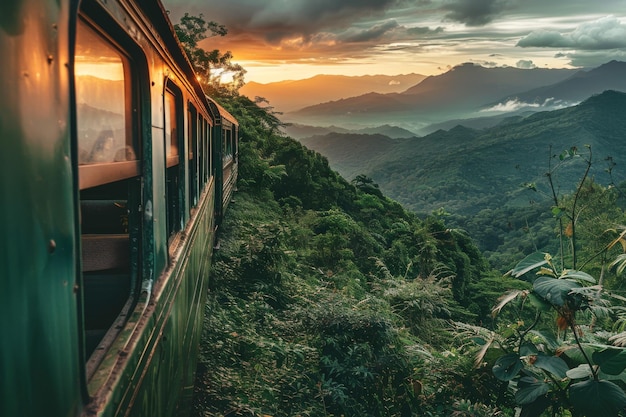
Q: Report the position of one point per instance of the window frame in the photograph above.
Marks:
(174, 164)
(95, 174)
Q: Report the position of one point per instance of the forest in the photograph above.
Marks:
(328, 298)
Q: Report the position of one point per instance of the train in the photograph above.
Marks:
(115, 173)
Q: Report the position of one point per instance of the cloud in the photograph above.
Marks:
(590, 59)
(525, 64)
(473, 12)
(428, 36)
(602, 34)
(372, 33)
(515, 105)
(278, 19)
(423, 30)
(484, 63)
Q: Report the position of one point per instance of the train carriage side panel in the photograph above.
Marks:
(225, 142)
(149, 365)
(103, 296)
(39, 347)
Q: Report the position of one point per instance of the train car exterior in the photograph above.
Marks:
(226, 138)
(111, 183)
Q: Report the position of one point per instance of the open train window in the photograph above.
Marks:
(107, 150)
(109, 180)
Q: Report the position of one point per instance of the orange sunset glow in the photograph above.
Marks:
(276, 41)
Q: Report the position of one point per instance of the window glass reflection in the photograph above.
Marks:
(171, 138)
(101, 100)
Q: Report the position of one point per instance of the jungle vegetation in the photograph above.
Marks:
(328, 298)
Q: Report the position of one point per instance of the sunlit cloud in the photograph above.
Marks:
(402, 36)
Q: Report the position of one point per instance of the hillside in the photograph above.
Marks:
(443, 168)
(298, 131)
(476, 176)
(321, 301)
(288, 96)
(327, 298)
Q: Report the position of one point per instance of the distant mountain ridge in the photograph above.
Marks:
(288, 96)
(463, 88)
(469, 91)
(578, 87)
(445, 168)
(298, 131)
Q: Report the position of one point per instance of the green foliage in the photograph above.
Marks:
(557, 367)
(327, 298)
(210, 66)
(492, 181)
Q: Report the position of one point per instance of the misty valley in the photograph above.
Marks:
(473, 144)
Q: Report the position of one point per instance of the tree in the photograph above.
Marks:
(210, 66)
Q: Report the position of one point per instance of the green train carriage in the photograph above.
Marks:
(112, 186)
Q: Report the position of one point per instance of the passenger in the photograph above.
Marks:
(127, 153)
(102, 150)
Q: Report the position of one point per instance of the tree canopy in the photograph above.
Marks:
(212, 67)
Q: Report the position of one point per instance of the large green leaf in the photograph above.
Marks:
(527, 349)
(554, 290)
(532, 261)
(539, 302)
(507, 367)
(535, 409)
(612, 361)
(578, 275)
(529, 389)
(582, 371)
(553, 364)
(593, 398)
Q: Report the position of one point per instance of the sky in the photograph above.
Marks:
(277, 40)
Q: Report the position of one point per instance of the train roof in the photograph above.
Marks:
(159, 18)
(221, 112)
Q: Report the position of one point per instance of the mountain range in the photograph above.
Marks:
(473, 94)
(298, 131)
(466, 170)
(291, 95)
(577, 87)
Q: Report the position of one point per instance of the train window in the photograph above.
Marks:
(209, 147)
(106, 149)
(172, 115)
(206, 152)
(192, 138)
(171, 128)
(200, 155)
(229, 141)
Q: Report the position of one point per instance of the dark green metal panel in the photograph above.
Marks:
(150, 364)
(39, 348)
